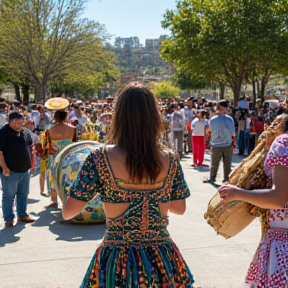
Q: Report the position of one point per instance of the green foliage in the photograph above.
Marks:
(164, 89)
(186, 80)
(224, 40)
(44, 40)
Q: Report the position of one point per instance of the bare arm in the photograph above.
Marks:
(178, 207)
(274, 198)
(6, 170)
(72, 207)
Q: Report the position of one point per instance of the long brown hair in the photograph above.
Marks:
(135, 127)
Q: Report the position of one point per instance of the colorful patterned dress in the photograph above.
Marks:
(137, 250)
(60, 144)
(269, 268)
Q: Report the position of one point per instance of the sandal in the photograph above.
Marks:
(44, 194)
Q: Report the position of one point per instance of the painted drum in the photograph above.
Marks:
(65, 168)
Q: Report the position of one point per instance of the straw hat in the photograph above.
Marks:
(57, 103)
(105, 114)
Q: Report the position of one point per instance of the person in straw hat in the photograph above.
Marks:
(61, 134)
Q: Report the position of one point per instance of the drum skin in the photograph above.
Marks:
(65, 168)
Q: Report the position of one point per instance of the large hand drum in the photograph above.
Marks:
(229, 219)
(65, 168)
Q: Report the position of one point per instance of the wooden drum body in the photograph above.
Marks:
(229, 219)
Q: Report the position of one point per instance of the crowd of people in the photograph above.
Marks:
(137, 172)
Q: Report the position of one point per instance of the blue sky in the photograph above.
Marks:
(125, 18)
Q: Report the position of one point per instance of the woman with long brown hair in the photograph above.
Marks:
(139, 184)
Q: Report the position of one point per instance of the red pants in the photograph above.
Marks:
(198, 149)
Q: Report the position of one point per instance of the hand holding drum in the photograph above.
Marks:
(228, 193)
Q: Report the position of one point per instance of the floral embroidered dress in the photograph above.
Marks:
(269, 268)
(60, 145)
(137, 250)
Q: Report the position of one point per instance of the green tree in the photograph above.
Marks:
(45, 39)
(164, 89)
(88, 81)
(223, 40)
(186, 80)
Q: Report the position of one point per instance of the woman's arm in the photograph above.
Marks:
(274, 198)
(72, 207)
(178, 206)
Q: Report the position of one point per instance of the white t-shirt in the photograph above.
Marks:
(198, 127)
(35, 115)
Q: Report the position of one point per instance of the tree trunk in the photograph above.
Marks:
(40, 91)
(236, 92)
(255, 92)
(17, 92)
(25, 92)
(264, 82)
(222, 90)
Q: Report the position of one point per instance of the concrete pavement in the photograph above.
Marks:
(52, 253)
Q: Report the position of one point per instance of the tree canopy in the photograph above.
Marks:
(164, 89)
(45, 40)
(226, 40)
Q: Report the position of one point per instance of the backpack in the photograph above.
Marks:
(177, 121)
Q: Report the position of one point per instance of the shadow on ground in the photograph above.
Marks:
(8, 235)
(67, 230)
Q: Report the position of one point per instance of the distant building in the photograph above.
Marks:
(132, 42)
(155, 44)
(152, 44)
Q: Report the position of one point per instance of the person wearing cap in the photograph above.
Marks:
(15, 163)
(222, 141)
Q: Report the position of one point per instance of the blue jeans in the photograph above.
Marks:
(243, 141)
(17, 185)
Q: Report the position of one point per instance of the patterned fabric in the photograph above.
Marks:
(269, 267)
(137, 250)
(278, 154)
(60, 144)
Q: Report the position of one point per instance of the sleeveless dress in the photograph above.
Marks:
(137, 250)
(269, 267)
(60, 144)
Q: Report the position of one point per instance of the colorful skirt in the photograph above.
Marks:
(151, 266)
(269, 268)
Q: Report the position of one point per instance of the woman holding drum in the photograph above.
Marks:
(269, 268)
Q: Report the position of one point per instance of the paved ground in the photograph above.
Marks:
(52, 253)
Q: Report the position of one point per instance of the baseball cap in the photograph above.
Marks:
(223, 103)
